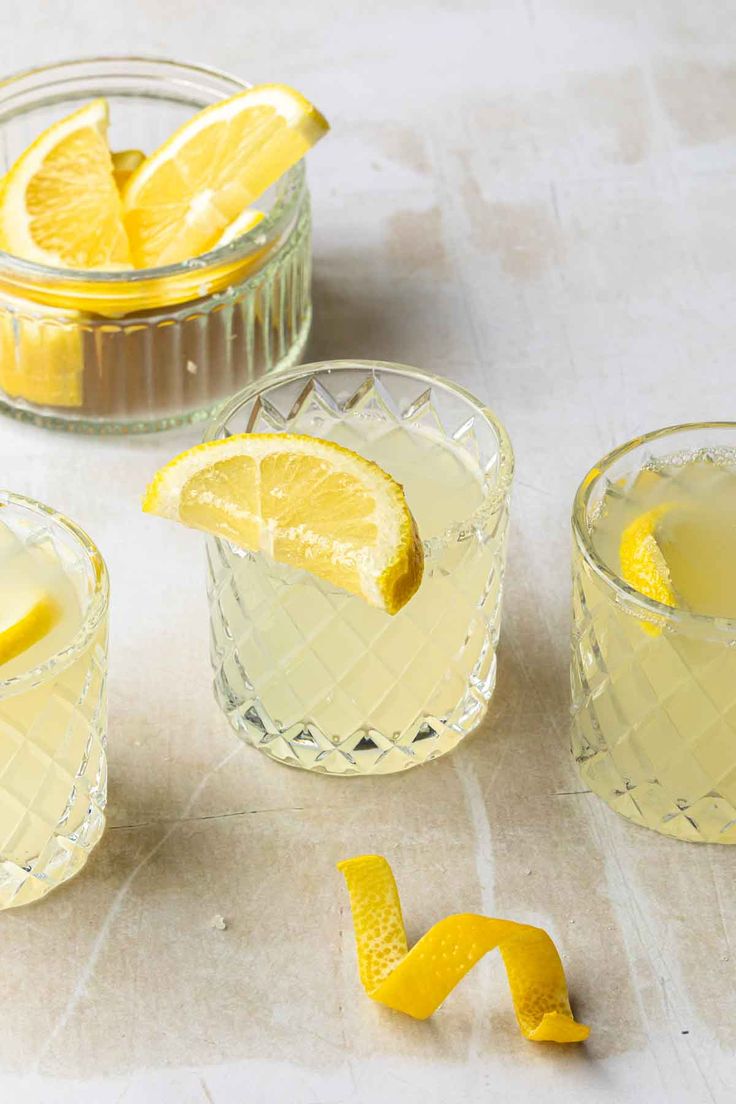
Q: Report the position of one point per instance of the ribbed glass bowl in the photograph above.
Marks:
(128, 352)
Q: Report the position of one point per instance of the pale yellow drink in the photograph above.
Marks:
(52, 702)
(655, 690)
(321, 679)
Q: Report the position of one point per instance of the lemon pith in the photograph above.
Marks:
(417, 981)
(33, 618)
(303, 501)
(182, 197)
(60, 205)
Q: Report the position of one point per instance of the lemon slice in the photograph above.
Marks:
(417, 981)
(60, 205)
(643, 565)
(124, 164)
(26, 617)
(304, 502)
(239, 226)
(181, 199)
(41, 356)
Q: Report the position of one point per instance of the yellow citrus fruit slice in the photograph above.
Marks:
(124, 164)
(304, 502)
(27, 616)
(239, 226)
(181, 199)
(60, 205)
(643, 565)
(41, 357)
(417, 981)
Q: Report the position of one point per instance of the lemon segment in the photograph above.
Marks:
(305, 502)
(60, 205)
(183, 197)
(124, 164)
(25, 620)
(643, 565)
(417, 981)
(239, 226)
(41, 356)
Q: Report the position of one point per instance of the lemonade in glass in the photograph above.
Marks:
(654, 634)
(53, 703)
(319, 659)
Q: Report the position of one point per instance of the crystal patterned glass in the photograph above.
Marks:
(653, 687)
(317, 678)
(53, 775)
(125, 352)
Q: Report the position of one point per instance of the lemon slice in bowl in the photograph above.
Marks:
(60, 205)
(181, 199)
(124, 164)
(304, 502)
(643, 565)
(239, 226)
(41, 354)
(27, 616)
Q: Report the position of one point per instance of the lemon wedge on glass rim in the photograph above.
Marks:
(60, 205)
(305, 502)
(182, 198)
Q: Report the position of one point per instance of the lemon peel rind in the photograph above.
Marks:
(417, 981)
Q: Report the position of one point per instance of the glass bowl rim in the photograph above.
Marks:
(98, 605)
(493, 498)
(238, 250)
(612, 579)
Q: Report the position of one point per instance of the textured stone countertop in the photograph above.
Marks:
(537, 198)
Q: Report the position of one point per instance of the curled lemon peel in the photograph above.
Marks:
(417, 981)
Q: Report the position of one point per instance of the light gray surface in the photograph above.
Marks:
(538, 199)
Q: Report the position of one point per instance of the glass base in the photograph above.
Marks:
(709, 819)
(60, 860)
(364, 752)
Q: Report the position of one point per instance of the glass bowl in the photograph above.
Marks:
(133, 351)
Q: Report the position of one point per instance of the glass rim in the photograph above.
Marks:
(492, 500)
(96, 610)
(611, 578)
(238, 250)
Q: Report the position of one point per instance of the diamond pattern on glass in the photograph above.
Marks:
(649, 710)
(53, 772)
(315, 677)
